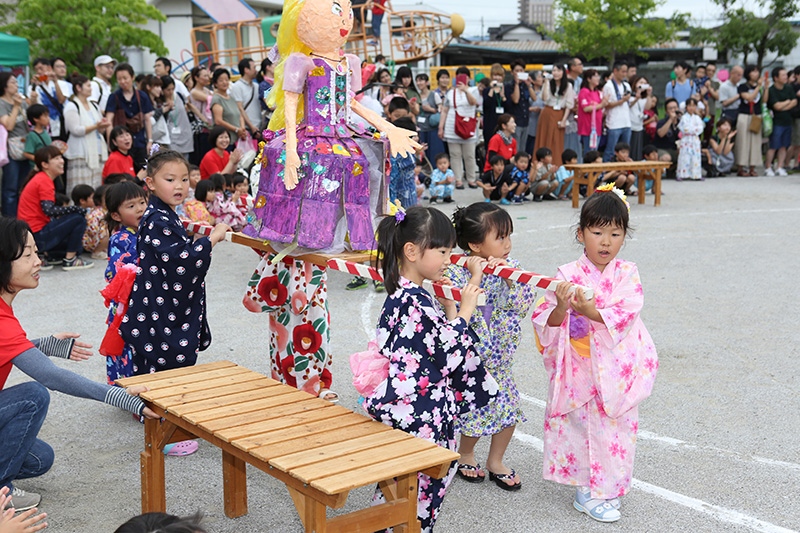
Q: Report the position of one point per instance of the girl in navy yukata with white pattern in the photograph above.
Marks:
(165, 323)
(434, 374)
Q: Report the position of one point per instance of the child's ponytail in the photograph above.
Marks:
(425, 227)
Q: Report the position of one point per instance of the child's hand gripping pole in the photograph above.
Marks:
(203, 229)
(521, 276)
(438, 289)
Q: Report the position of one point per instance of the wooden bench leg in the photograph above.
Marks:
(640, 185)
(316, 519)
(154, 495)
(234, 485)
(657, 186)
(407, 488)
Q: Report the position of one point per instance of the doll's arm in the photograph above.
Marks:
(292, 159)
(400, 142)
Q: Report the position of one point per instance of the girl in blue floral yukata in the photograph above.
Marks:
(434, 373)
(484, 233)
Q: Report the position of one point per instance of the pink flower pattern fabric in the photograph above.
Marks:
(224, 211)
(434, 376)
(591, 419)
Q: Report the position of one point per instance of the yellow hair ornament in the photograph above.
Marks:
(609, 187)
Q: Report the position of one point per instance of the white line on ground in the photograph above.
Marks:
(366, 320)
(670, 441)
(720, 513)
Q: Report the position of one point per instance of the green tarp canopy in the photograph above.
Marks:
(14, 51)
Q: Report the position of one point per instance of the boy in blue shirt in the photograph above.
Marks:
(521, 176)
(564, 176)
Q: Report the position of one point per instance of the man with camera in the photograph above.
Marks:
(667, 135)
(617, 93)
(519, 94)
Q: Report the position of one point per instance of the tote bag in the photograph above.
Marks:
(465, 126)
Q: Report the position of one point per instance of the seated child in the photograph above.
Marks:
(95, 238)
(419, 181)
(718, 159)
(442, 180)
(241, 197)
(592, 156)
(622, 179)
(519, 174)
(545, 181)
(195, 209)
(564, 176)
(222, 208)
(497, 183)
(650, 153)
(39, 116)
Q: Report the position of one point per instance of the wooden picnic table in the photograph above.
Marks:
(587, 173)
(319, 450)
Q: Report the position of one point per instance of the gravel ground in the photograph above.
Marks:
(718, 443)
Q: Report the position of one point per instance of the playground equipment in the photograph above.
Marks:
(406, 36)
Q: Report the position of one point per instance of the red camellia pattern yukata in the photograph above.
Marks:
(599, 373)
(434, 376)
(294, 293)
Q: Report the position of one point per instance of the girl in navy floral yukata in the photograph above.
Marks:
(484, 233)
(434, 374)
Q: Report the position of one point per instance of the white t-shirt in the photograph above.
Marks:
(637, 115)
(728, 90)
(181, 89)
(464, 110)
(55, 124)
(619, 116)
(101, 89)
(247, 94)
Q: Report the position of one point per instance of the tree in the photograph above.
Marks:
(607, 28)
(80, 30)
(744, 32)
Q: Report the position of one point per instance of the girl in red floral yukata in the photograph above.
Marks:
(601, 361)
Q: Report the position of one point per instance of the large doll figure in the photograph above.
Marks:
(323, 179)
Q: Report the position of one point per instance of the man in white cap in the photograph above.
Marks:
(101, 83)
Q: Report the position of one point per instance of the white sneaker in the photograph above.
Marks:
(769, 173)
(781, 172)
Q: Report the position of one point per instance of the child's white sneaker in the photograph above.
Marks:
(600, 510)
(769, 173)
(781, 172)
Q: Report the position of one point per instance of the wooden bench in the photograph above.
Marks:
(586, 174)
(319, 450)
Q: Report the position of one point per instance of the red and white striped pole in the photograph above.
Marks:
(520, 276)
(438, 289)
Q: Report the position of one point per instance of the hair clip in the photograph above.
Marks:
(609, 187)
(396, 210)
(154, 149)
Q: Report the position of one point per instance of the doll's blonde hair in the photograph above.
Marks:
(288, 43)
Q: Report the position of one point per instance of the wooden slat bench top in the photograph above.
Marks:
(587, 173)
(321, 451)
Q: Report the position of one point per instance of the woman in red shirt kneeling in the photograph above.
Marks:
(218, 159)
(58, 230)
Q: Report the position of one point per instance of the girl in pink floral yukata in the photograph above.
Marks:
(601, 361)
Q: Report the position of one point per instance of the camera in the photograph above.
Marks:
(495, 83)
(522, 76)
(548, 76)
(644, 86)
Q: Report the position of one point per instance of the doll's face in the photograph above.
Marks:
(325, 24)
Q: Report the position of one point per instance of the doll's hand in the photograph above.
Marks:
(400, 142)
(290, 169)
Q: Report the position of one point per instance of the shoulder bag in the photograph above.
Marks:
(465, 126)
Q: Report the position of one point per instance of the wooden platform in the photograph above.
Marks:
(586, 174)
(319, 450)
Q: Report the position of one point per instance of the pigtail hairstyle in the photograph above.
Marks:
(475, 223)
(425, 227)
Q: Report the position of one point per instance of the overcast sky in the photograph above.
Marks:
(505, 11)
